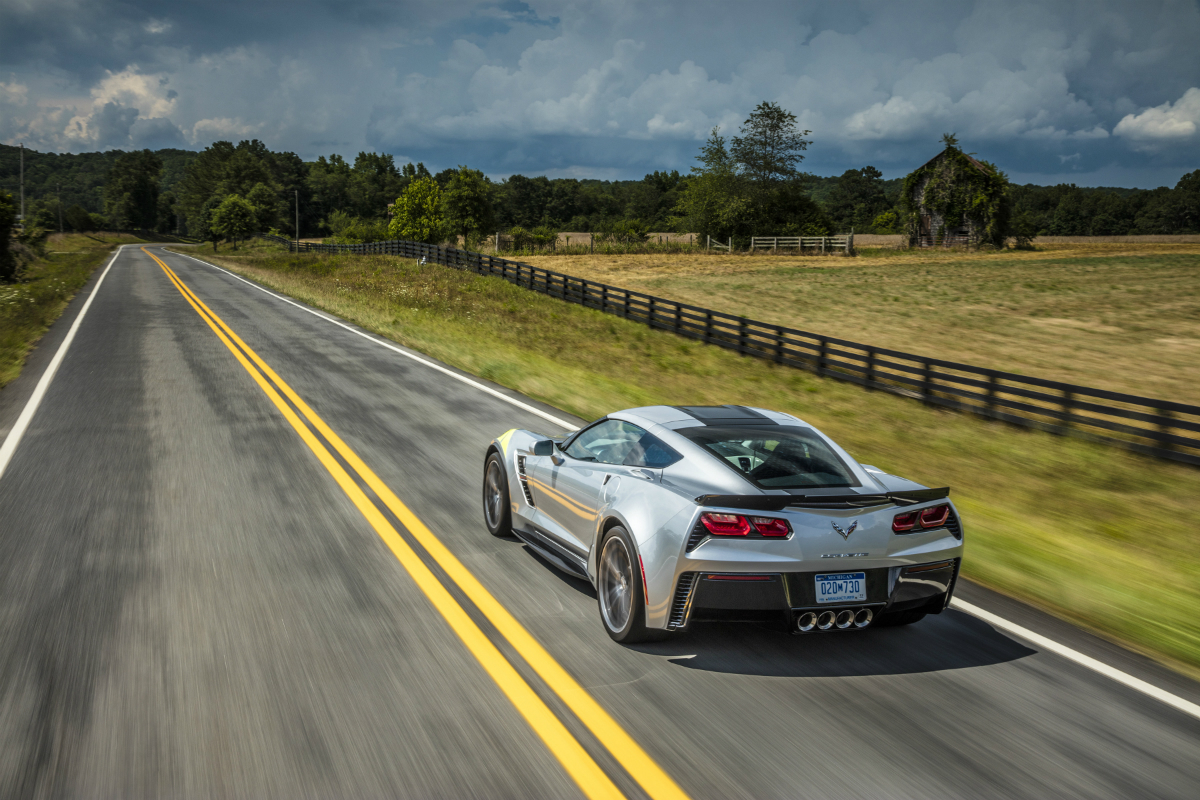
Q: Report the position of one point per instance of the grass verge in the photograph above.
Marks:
(30, 306)
(1101, 537)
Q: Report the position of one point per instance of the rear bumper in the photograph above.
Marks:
(716, 595)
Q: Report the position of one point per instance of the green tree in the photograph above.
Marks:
(267, 207)
(770, 146)
(1187, 203)
(715, 200)
(201, 224)
(200, 183)
(234, 219)
(78, 218)
(467, 205)
(131, 191)
(857, 200)
(8, 218)
(167, 220)
(245, 168)
(418, 213)
(374, 182)
(329, 185)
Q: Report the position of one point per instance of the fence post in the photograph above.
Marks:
(1068, 398)
(824, 354)
(870, 367)
(678, 317)
(708, 327)
(1164, 429)
(778, 345)
(991, 393)
(730, 245)
(926, 381)
(742, 337)
(604, 297)
(707, 244)
(650, 316)
(626, 314)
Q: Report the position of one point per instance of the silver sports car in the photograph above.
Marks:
(679, 514)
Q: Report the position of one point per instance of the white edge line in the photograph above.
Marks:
(1079, 658)
(999, 622)
(487, 389)
(31, 406)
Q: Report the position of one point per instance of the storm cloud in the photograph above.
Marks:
(1089, 92)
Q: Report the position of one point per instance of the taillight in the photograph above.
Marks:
(935, 517)
(769, 526)
(725, 524)
(903, 523)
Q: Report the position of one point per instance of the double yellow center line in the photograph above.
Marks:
(582, 768)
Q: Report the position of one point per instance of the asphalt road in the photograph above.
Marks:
(191, 606)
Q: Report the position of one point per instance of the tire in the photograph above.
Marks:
(497, 509)
(619, 591)
(898, 618)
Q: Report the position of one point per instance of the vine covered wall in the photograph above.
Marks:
(956, 191)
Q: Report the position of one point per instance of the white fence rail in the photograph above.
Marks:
(821, 243)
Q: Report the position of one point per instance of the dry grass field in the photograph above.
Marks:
(1095, 534)
(1118, 316)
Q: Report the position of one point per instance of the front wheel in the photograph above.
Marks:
(619, 590)
(497, 511)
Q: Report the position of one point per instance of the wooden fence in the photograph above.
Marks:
(1158, 428)
(816, 243)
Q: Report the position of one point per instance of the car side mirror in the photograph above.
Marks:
(543, 447)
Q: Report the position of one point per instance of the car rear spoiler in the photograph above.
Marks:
(778, 502)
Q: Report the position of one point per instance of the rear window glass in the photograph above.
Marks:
(776, 456)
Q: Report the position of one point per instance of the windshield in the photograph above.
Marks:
(775, 456)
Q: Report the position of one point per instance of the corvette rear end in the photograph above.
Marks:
(836, 566)
(682, 514)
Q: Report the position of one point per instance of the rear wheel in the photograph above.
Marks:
(898, 618)
(497, 511)
(619, 590)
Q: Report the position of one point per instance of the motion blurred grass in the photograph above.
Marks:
(1104, 538)
(1119, 316)
(28, 307)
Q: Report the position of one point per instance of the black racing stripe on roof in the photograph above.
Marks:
(726, 415)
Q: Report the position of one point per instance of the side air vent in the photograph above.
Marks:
(699, 534)
(524, 479)
(953, 525)
(682, 603)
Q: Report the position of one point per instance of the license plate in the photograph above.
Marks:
(844, 587)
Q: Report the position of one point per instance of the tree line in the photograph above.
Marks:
(742, 185)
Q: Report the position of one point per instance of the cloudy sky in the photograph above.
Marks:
(1092, 92)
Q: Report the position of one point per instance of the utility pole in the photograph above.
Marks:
(22, 184)
(58, 197)
(297, 220)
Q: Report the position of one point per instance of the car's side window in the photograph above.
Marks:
(617, 442)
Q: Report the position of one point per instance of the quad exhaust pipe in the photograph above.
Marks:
(841, 619)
